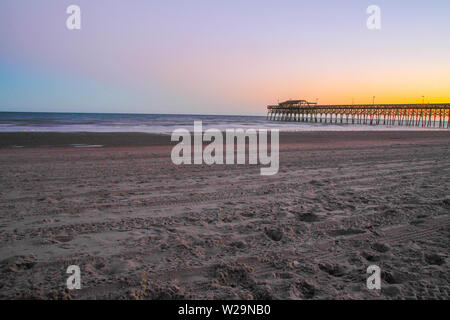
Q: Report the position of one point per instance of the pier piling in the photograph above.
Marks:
(418, 115)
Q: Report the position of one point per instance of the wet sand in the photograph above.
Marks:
(140, 227)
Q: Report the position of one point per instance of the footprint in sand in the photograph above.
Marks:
(274, 234)
(335, 270)
(303, 289)
(308, 217)
(380, 247)
(344, 232)
(434, 259)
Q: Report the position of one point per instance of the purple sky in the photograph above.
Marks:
(219, 57)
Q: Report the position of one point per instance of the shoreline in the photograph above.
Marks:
(11, 140)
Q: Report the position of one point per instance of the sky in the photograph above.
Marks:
(220, 57)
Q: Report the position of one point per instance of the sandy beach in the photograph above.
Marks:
(141, 227)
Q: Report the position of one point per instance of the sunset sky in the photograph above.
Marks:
(219, 57)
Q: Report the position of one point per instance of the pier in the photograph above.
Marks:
(418, 115)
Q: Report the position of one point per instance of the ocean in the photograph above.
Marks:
(159, 123)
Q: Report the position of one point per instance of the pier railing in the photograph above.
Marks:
(422, 115)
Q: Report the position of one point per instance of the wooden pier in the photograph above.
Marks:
(419, 115)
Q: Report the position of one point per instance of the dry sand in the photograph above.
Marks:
(140, 227)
